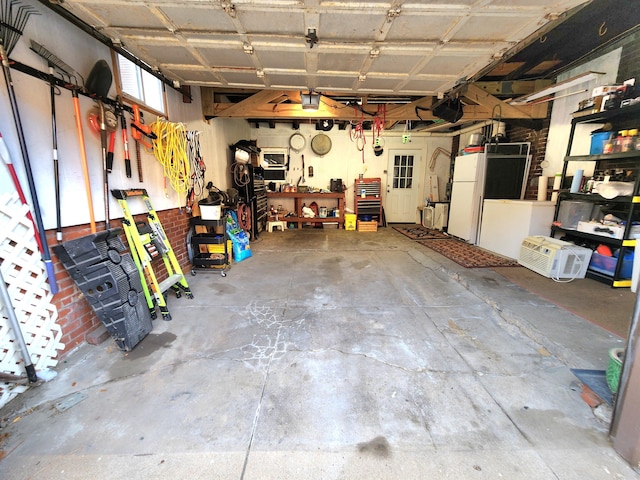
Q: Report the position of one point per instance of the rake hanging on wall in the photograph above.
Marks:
(13, 19)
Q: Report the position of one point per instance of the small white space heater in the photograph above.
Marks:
(554, 258)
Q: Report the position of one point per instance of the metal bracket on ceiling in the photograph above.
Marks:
(311, 37)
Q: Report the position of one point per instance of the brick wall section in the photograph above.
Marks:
(75, 315)
(629, 59)
(538, 139)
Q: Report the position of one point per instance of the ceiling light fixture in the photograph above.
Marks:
(374, 53)
(362, 77)
(260, 73)
(248, 49)
(310, 101)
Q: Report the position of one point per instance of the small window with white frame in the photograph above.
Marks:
(139, 85)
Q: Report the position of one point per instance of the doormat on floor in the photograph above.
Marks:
(596, 380)
(467, 255)
(418, 232)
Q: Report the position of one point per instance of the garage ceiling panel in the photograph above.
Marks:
(170, 55)
(500, 29)
(276, 60)
(392, 63)
(329, 82)
(365, 47)
(418, 28)
(226, 57)
(213, 33)
(450, 65)
(274, 22)
(349, 26)
(339, 62)
(197, 18)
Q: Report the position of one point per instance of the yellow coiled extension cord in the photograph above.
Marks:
(170, 149)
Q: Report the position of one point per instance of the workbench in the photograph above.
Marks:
(300, 199)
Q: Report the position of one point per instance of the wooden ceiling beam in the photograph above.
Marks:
(294, 112)
(285, 105)
(245, 107)
(494, 105)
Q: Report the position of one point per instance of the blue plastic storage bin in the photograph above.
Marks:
(597, 142)
(606, 265)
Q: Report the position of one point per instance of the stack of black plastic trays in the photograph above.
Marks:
(111, 283)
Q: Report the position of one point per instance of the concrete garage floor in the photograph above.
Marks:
(328, 355)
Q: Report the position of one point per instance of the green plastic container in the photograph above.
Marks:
(616, 356)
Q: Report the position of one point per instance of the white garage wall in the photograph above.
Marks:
(81, 52)
(345, 161)
(563, 107)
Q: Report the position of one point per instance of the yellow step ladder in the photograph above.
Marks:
(147, 241)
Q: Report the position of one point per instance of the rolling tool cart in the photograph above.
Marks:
(368, 200)
(208, 250)
(148, 241)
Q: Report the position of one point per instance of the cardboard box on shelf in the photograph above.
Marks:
(605, 89)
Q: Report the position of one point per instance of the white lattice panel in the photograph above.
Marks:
(24, 272)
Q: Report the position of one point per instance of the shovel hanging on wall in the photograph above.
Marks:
(98, 84)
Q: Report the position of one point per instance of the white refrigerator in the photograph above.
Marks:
(500, 174)
(466, 196)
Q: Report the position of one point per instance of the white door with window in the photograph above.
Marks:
(402, 200)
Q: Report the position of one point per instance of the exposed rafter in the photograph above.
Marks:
(286, 105)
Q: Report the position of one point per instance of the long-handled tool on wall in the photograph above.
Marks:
(54, 146)
(68, 71)
(112, 143)
(6, 158)
(125, 144)
(17, 332)
(98, 84)
(83, 158)
(138, 131)
(25, 13)
(54, 62)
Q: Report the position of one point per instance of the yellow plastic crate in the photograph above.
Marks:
(349, 221)
(218, 248)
